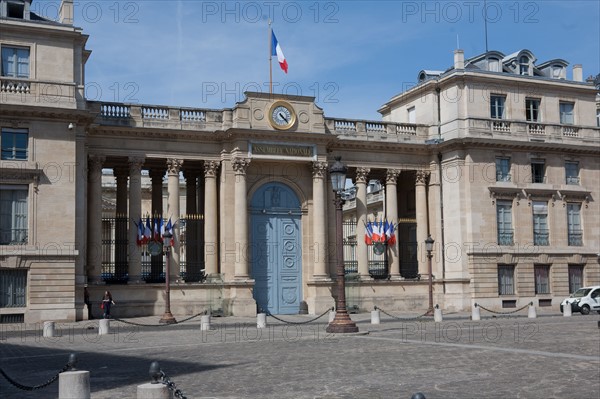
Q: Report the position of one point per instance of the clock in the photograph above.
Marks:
(281, 115)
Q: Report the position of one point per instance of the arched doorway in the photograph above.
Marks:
(276, 249)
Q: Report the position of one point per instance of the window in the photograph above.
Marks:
(13, 214)
(502, 169)
(15, 62)
(532, 110)
(506, 279)
(575, 278)
(572, 172)
(493, 64)
(540, 223)
(524, 65)
(14, 144)
(557, 71)
(504, 216)
(537, 171)
(15, 10)
(411, 115)
(574, 225)
(542, 279)
(13, 286)
(566, 113)
(497, 107)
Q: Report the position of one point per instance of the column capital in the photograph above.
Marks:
(362, 175)
(421, 177)
(135, 164)
(391, 176)
(319, 169)
(240, 165)
(96, 161)
(211, 168)
(174, 166)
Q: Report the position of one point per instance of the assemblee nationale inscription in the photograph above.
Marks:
(275, 149)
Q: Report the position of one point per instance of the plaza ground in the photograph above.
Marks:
(498, 357)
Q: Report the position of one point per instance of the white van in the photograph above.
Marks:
(584, 300)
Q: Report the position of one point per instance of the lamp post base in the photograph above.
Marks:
(167, 318)
(342, 323)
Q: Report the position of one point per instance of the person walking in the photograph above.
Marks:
(86, 300)
(107, 302)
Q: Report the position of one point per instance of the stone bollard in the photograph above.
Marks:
(375, 316)
(531, 311)
(49, 331)
(331, 315)
(567, 311)
(205, 322)
(104, 327)
(74, 385)
(153, 391)
(437, 314)
(475, 314)
(156, 389)
(261, 320)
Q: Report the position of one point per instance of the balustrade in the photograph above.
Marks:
(109, 110)
(14, 86)
(149, 112)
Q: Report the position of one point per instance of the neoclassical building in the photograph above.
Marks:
(497, 158)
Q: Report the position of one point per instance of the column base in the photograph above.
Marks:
(341, 324)
(396, 277)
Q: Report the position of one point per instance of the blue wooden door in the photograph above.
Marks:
(276, 249)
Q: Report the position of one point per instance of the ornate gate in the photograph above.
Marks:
(276, 249)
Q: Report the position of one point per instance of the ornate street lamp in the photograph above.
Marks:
(167, 318)
(342, 323)
(429, 247)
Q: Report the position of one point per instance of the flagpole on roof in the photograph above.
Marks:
(270, 58)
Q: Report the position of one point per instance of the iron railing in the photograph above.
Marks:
(575, 238)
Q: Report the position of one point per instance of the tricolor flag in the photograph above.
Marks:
(147, 231)
(140, 233)
(368, 233)
(276, 50)
(169, 229)
(390, 235)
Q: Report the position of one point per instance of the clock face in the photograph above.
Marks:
(282, 115)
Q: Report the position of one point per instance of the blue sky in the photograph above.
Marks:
(352, 56)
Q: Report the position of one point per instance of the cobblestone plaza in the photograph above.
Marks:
(504, 357)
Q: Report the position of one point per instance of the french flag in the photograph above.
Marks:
(276, 50)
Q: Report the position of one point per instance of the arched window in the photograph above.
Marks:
(493, 64)
(524, 65)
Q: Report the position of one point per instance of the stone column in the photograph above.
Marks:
(391, 203)
(157, 174)
(422, 228)
(173, 212)
(121, 222)
(211, 238)
(240, 165)
(192, 265)
(435, 219)
(319, 172)
(135, 212)
(94, 255)
(362, 254)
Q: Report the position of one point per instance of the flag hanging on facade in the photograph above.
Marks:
(368, 233)
(140, 233)
(169, 229)
(147, 231)
(390, 234)
(276, 50)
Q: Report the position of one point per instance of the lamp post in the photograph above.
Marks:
(342, 323)
(429, 247)
(167, 318)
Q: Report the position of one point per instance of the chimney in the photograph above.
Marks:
(65, 14)
(459, 59)
(578, 73)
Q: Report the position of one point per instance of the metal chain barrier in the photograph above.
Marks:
(22, 387)
(159, 325)
(299, 322)
(402, 318)
(511, 312)
(177, 393)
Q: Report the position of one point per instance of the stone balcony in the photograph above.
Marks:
(356, 129)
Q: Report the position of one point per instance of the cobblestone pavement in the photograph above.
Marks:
(504, 357)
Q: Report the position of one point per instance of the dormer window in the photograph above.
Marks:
(557, 71)
(524, 65)
(15, 10)
(493, 64)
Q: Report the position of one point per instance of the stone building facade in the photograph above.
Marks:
(495, 158)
